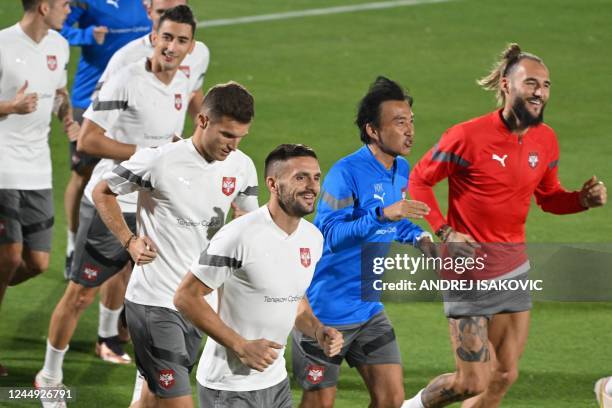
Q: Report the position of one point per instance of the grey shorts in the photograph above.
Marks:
(26, 216)
(277, 396)
(166, 347)
(470, 303)
(98, 254)
(80, 162)
(372, 342)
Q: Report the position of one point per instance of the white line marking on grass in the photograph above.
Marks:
(315, 12)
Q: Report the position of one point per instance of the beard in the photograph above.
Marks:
(289, 203)
(522, 117)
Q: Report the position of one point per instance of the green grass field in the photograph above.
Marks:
(307, 75)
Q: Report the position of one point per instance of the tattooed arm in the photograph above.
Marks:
(63, 109)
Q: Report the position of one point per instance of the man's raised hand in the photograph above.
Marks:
(406, 209)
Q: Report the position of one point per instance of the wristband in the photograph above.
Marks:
(443, 232)
(129, 240)
(380, 214)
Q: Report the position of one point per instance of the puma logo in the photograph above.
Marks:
(114, 3)
(380, 197)
(502, 160)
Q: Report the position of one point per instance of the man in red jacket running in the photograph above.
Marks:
(494, 164)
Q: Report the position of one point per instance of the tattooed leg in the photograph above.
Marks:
(440, 392)
(471, 345)
(508, 336)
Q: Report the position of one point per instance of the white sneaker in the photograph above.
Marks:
(111, 351)
(40, 381)
(603, 399)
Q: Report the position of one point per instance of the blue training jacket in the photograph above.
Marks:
(354, 192)
(126, 20)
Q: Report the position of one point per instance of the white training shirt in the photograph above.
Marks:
(137, 108)
(25, 158)
(183, 200)
(262, 274)
(194, 66)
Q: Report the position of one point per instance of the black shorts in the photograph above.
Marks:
(80, 162)
(166, 347)
(98, 254)
(277, 396)
(372, 342)
(26, 216)
(487, 303)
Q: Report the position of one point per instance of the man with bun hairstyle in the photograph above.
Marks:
(494, 164)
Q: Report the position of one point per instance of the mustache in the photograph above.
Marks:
(309, 191)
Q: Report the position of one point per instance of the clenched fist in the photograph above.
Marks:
(142, 250)
(258, 354)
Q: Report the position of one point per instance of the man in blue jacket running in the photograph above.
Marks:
(363, 200)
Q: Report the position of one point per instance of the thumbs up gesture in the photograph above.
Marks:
(593, 193)
(24, 103)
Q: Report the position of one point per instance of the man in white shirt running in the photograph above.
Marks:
(185, 191)
(194, 66)
(140, 106)
(262, 263)
(33, 60)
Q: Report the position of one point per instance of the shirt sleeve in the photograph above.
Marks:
(111, 101)
(0, 70)
(447, 157)
(64, 79)
(408, 232)
(339, 219)
(77, 36)
(135, 174)
(220, 259)
(246, 199)
(201, 69)
(113, 66)
(550, 194)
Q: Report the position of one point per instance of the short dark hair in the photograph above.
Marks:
(179, 14)
(229, 99)
(284, 152)
(29, 5)
(368, 112)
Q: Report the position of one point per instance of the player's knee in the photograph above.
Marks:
(471, 384)
(393, 399)
(38, 266)
(506, 378)
(10, 262)
(318, 399)
(83, 298)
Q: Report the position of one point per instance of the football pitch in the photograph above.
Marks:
(307, 74)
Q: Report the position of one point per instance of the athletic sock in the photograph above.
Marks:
(108, 321)
(137, 387)
(609, 387)
(54, 359)
(70, 242)
(414, 402)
